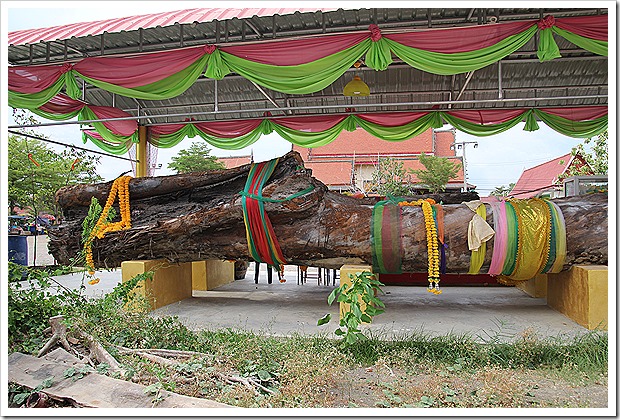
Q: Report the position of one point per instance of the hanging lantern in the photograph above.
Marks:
(356, 87)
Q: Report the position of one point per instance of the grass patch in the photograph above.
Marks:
(413, 370)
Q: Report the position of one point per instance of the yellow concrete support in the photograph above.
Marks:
(345, 270)
(536, 287)
(142, 164)
(171, 282)
(208, 275)
(581, 294)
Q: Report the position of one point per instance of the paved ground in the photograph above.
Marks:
(285, 308)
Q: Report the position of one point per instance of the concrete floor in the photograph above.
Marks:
(286, 308)
(484, 313)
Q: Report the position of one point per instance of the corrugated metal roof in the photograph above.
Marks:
(577, 74)
(132, 23)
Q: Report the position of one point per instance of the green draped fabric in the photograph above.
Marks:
(169, 87)
(114, 148)
(399, 133)
(592, 45)
(86, 114)
(190, 131)
(55, 117)
(379, 55)
(35, 100)
(480, 130)
(300, 79)
(530, 121)
(547, 47)
(321, 138)
(461, 62)
(216, 67)
(577, 129)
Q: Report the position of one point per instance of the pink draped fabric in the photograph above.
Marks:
(62, 104)
(312, 124)
(222, 129)
(33, 79)
(292, 53)
(392, 119)
(122, 127)
(501, 240)
(585, 113)
(139, 70)
(455, 40)
(487, 116)
(594, 27)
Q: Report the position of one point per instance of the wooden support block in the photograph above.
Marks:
(345, 270)
(536, 287)
(171, 282)
(211, 274)
(581, 294)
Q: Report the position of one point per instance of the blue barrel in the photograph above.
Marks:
(18, 249)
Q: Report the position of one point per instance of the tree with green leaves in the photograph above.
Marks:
(390, 178)
(503, 190)
(196, 158)
(437, 173)
(36, 171)
(597, 157)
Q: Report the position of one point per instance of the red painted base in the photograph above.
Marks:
(421, 279)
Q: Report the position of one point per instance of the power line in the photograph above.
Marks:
(70, 145)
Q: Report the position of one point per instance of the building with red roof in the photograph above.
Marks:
(545, 179)
(347, 163)
(234, 161)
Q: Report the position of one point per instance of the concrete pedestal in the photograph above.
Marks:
(171, 282)
(345, 270)
(536, 287)
(208, 275)
(581, 294)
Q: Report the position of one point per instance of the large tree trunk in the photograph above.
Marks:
(198, 216)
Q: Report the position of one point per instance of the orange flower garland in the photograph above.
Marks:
(432, 242)
(120, 186)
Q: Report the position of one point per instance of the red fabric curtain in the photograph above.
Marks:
(594, 27)
(291, 53)
(392, 119)
(139, 70)
(487, 116)
(460, 39)
(33, 79)
(312, 124)
(62, 104)
(586, 113)
(222, 129)
(122, 127)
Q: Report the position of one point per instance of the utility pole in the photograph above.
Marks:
(462, 145)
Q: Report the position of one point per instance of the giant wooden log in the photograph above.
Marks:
(198, 216)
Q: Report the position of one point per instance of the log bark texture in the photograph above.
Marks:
(198, 216)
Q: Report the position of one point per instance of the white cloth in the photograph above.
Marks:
(478, 230)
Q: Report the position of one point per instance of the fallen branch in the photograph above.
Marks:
(99, 352)
(59, 334)
(248, 382)
(162, 352)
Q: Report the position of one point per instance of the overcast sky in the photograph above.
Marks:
(498, 160)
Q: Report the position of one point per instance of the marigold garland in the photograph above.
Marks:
(432, 242)
(120, 186)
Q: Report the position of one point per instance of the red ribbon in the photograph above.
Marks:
(32, 159)
(66, 68)
(375, 32)
(209, 49)
(546, 23)
(75, 162)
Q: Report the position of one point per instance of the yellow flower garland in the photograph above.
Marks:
(120, 186)
(432, 242)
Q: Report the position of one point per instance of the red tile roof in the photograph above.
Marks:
(234, 161)
(338, 172)
(543, 177)
(362, 143)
